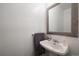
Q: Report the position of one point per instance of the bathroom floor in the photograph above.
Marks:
(44, 54)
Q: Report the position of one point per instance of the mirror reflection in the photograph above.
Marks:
(60, 18)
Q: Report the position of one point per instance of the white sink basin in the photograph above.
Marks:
(60, 48)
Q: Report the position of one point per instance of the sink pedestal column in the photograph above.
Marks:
(49, 53)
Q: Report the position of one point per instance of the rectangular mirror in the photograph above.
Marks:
(62, 19)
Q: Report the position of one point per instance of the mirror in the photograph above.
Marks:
(62, 19)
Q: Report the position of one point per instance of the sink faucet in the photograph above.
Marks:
(56, 41)
(49, 37)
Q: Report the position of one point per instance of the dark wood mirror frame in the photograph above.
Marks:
(74, 21)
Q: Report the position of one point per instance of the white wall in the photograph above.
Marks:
(17, 23)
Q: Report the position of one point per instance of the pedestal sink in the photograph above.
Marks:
(55, 46)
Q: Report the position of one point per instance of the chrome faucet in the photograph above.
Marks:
(56, 41)
(49, 37)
